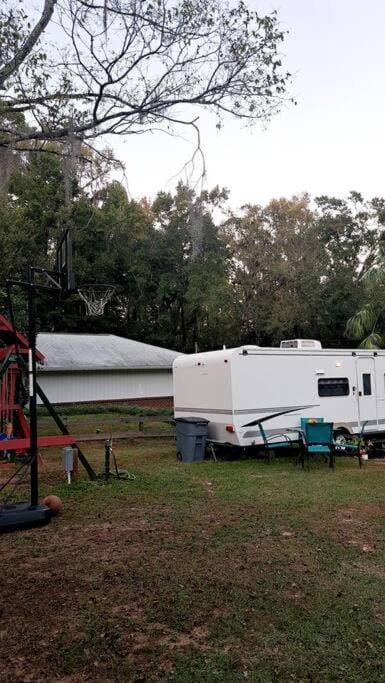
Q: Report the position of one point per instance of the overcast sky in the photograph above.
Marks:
(331, 142)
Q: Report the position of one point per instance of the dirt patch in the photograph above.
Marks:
(352, 527)
(90, 593)
(369, 569)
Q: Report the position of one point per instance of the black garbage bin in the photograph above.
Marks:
(191, 435)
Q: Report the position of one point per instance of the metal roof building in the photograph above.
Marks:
(104, 367)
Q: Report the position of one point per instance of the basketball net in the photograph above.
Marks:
(96, 297)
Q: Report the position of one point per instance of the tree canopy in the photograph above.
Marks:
(188, 271)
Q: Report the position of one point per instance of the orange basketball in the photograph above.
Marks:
(54, 503)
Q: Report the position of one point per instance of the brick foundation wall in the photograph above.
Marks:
(155, 402)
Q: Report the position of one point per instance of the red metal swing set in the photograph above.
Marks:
(14, 426)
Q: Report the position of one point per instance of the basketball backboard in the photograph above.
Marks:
(64, 261)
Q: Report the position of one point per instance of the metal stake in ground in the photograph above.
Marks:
(107, 459)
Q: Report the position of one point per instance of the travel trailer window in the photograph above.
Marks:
(367, 384)
(337, 386)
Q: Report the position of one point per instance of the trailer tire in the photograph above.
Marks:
(340, 435)
(179, 456)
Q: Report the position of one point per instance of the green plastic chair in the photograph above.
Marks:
(268, 441)
(305, 420)
(317, 437)
(270, 445)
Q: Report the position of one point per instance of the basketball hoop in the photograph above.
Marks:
(96, 297)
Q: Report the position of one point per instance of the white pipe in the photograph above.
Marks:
(30, 372)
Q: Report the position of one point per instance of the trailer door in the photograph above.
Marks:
(366, 389)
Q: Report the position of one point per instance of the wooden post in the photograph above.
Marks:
(75, 466)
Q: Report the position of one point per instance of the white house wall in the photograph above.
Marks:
(71, 387)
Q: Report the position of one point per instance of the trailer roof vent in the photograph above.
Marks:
(301, 344)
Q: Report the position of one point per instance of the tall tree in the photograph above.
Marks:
(350, 231)
(194, 294)
(32, 203)
(277, 270)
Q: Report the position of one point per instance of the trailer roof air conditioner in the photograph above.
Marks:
(301, 344)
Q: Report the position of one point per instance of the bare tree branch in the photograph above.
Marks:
(10, 67)
(125, 67)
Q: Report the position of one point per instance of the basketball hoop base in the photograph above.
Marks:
(23, 516)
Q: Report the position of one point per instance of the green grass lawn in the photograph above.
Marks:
(227, 571)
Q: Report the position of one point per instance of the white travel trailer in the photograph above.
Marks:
(234, 387)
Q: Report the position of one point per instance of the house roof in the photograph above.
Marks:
(78, 352)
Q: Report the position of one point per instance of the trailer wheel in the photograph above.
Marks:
(340, 435)
(179, 456)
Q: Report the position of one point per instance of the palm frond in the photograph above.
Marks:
(361, 322)
(372, 341)
(374, 276)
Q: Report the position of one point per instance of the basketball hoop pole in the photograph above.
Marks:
(33, 453)
(31, 286)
